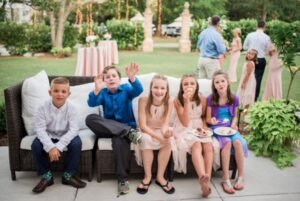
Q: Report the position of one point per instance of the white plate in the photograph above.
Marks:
(196, 133)
(225, 131)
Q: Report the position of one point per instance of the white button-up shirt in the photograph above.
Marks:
(56, 123)
(259, 41)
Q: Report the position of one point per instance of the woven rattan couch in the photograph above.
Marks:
(20, 159)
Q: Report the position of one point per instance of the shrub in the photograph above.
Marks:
(127, 34)
(71, 36)
(61, 52)
(274, 129)
(39, 38)
(2, 119)
(13, 36)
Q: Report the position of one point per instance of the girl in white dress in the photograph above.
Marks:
(191, 133)
(154, 113)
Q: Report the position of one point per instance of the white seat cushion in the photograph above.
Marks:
(106, 144)
(87, 138)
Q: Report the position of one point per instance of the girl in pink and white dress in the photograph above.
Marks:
(273, 88)
(188, 125)
(154, 113)
(246, 89)
(236, 47)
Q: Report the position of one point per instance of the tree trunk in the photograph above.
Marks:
(127, 9)
(52, 27)
(119, 10)
(159, 17)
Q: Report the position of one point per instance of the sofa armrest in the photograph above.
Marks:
(14, 123)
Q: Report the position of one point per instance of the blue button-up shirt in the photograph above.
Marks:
(118, 105)
(211, 43)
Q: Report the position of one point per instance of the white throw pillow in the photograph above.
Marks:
(34, 93)
(79, 97)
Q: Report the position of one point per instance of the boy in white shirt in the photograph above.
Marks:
(57, 128)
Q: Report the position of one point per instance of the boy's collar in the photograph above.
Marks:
(61, 109)
(120, 88)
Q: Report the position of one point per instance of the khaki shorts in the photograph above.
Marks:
(207, 67)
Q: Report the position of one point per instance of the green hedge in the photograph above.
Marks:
(38, 38)
(20, 38)
(127, 34)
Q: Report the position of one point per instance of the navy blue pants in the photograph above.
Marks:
(71, 160)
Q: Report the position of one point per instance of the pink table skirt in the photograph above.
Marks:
(110, 51)
(90, 61)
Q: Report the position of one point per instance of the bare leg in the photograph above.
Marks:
(225, 154)
(198, 162)
(208, 157)
(163, 160)
(147, 162)
(239, 157)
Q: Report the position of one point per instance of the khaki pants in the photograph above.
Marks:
(207, 67)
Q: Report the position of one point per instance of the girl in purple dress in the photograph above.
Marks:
(222, 108)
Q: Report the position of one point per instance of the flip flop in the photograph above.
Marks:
(170, 191)
(240, 180)
(228, 183)
(145, 188)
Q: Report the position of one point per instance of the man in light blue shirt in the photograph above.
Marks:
(261, 42)
(211, 45)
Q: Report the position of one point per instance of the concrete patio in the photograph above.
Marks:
(263, 182)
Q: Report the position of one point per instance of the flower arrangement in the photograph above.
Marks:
(91, 40)
(107, 36)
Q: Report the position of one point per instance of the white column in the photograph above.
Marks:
(148, 41)
(185, 42)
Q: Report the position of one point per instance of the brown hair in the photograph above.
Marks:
(165, 100)
(196, 94)
(215, 95)
(215, 20)
(107, 68)
(255, 57)
(261, 24)
(60, 80)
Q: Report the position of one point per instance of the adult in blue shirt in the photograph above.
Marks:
(118, 122)
(211, 45)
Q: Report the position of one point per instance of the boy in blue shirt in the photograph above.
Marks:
(56, 126)
(118, 122)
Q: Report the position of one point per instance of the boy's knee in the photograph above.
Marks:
(90, 118)
(36, 144)
(75, 143)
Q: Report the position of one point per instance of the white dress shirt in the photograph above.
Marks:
(259, 41)
(56, 123)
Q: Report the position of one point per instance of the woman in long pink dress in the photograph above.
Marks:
(246, 89)
(273, 88)
(236, 47)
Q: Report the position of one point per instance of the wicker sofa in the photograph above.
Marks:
(21, 159)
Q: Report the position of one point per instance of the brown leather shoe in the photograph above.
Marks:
(42, 185)
(73, 181)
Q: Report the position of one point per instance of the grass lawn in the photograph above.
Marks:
(164, 61)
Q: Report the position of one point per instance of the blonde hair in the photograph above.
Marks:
(165, 100)
(237, 30)
(60, 80)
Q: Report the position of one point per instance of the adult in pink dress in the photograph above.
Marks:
(236, 47)
(273, 89)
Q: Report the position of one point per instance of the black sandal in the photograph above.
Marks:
(143, 190)
(170, 191)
